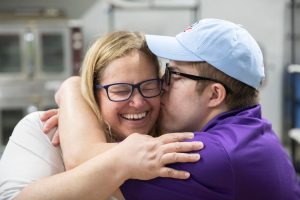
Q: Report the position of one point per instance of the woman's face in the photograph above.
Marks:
(137, 114)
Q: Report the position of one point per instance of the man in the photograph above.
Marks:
(211, 87)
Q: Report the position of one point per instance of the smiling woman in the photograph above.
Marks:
(114, 71)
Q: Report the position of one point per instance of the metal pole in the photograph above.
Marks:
(293, 50)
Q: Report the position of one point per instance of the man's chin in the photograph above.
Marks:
(163, 125)
(163, 129)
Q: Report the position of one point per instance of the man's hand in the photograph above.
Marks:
(50, 119)
(144, 157)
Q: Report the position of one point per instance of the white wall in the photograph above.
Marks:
(152, 21)
(266, 20)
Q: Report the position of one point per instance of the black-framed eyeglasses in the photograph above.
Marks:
(168, 73)
(123, 91)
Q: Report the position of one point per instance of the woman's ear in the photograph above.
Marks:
(217, 94)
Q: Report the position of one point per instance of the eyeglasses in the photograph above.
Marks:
(169, 72)
(123, 91)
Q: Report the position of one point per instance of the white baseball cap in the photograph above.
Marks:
(225, 45)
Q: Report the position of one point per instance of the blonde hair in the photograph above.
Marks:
(102, 52)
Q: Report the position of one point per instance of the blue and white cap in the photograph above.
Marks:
(225, 45)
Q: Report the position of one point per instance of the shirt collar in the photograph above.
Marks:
(247, 112)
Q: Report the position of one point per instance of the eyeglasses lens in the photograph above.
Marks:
(123, 91)
(119, 92)
(150, 88)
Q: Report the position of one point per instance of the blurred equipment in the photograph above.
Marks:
(293, 110)
(38, 49)
(152, 16)
(292, 85)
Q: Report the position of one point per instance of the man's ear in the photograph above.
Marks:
(217, 94)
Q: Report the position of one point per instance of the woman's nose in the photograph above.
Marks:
(136, 100)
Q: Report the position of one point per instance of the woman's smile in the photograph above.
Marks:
(134, 116)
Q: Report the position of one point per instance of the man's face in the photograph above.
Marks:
(182, 107)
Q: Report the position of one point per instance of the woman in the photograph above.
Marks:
(114, 76)
(110, 66)
(120, 81)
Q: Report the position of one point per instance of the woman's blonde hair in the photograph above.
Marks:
(102, 52)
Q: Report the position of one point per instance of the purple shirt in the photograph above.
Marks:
(242, 160)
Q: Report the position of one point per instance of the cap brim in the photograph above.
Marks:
(169, 48)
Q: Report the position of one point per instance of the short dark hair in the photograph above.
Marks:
(241, 94)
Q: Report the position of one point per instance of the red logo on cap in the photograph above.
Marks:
(190, 27)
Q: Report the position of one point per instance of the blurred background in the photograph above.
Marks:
(42, 42)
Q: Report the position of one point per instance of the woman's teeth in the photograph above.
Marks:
(134, 116)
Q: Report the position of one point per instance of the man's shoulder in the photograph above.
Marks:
(211, 177)
(214, 155)
(213, 142)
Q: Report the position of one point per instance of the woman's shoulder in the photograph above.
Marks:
(30, 126)
(31, 120)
